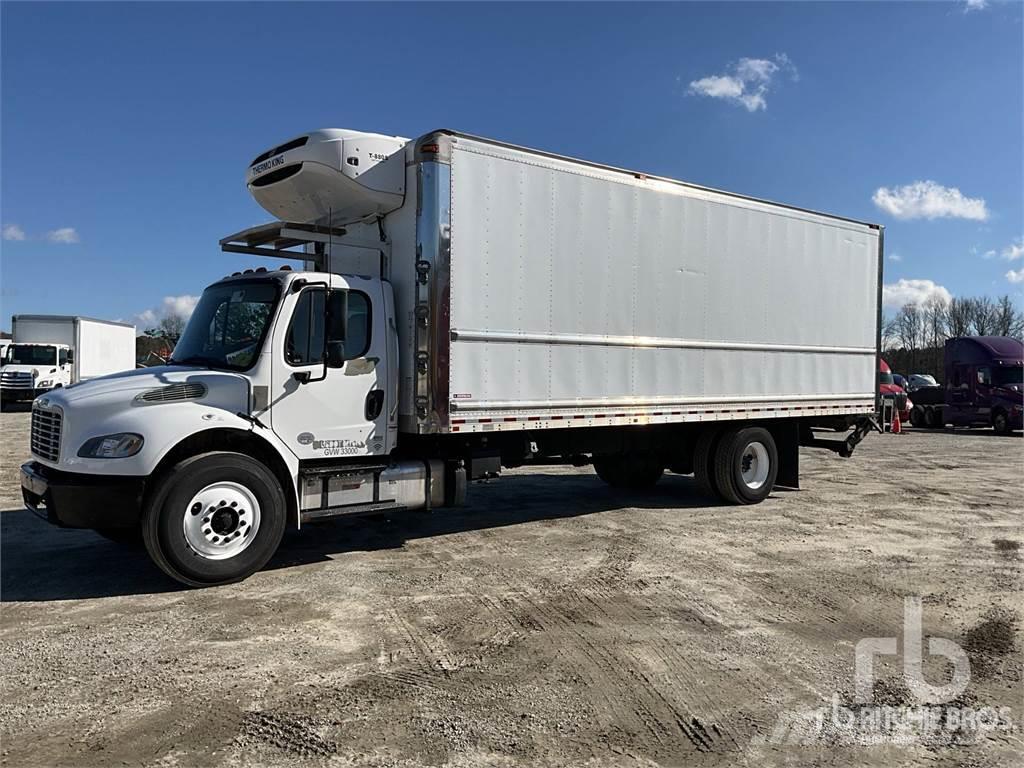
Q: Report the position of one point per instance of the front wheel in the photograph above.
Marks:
(214, 518)
(1000, 423)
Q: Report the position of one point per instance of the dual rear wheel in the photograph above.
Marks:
(736, 464)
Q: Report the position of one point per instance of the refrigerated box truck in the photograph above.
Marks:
(459, 305)
(53, 351)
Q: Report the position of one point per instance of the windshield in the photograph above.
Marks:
(228, 325)
(885, 378)
(32, 354)
(1003, 376)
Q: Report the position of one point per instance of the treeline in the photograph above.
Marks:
(914, 339)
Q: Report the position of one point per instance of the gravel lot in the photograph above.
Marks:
(550, 623)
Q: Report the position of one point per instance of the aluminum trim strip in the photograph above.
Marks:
(642, 342)
(634, 402)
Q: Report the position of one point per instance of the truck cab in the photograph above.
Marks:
(31, 369)
(984, 382)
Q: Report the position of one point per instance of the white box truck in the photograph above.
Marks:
(464, 305)
(53, 351)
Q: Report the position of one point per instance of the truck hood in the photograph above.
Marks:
(131, 383)
(1009, 391)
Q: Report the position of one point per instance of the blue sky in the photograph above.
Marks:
(126, 129)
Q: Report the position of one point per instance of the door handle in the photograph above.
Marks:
(374, 404)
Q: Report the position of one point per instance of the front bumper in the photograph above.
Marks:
(21, 394)
(74, 500)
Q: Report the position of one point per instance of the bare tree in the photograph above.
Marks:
(936, 320)
(1007, 321)
(910, 331)
(983, 315)
(170, 328)
(890, 333)
(958, 317)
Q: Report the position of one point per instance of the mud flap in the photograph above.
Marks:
(787, 444)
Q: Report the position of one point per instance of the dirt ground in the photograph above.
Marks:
(552, 622)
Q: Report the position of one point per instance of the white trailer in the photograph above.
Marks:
(466, 305)
(53, 351)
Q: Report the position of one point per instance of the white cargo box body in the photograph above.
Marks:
(581, 295)
(100, 346)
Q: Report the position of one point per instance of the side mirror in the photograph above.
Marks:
(302, 377)
(335, 354)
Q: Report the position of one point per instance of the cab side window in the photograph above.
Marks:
(984, 376)
(63, 357)
(305, 341)
(357, 340)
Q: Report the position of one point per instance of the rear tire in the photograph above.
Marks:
(703, 462)
(746, 465)
(917, 416)
(214, 519)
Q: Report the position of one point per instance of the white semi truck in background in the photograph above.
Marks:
(53, 351)
(463, 305)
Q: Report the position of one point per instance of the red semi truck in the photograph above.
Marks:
(889, 389)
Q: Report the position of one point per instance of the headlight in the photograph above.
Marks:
(44, 383)
(119, 446)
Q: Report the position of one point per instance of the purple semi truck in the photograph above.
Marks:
(983, 386)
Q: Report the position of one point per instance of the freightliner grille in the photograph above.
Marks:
(16, 379)
(46, 424)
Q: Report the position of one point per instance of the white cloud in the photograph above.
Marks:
(13, 232)
(1014, 250)
(895, 295)
(62, 235)
(975, 5)
(746, 82)
(929, 200)
(171, 305)
(895, 257)
(1015, 275)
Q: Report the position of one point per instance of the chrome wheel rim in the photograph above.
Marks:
(754, 465)
(221, 520)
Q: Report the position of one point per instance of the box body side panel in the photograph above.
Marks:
(574, 289)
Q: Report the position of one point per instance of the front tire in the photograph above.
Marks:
(1000, 423)
(746, 465)
(214, 519)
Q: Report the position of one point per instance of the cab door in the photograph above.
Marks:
(335, 411)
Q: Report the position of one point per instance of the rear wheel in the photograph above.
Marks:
(703, 462)
(746, 465)
(214, 519)
(629, 470)
(917, 416)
